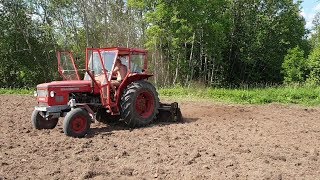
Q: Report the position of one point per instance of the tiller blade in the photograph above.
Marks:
(169, 113)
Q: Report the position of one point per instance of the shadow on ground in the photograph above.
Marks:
(120, 126)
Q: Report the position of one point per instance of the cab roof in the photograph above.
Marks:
(122, 50)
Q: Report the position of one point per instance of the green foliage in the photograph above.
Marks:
(189, 36)
(215, 42)
(263, 31)
(315, 36)
(314, 57)
(305, 95)
(294, 66)
(27, 52)
(314, 66)
(222, 42)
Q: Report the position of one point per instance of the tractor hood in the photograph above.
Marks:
(57, 93)
(75, 83)
(69, 86)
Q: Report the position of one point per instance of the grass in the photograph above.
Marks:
(308, 96)
(302, 95)
(16, 91)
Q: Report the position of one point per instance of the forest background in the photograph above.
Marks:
(209, 43)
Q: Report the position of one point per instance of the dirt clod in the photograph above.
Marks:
(127, 171)
(89, 174)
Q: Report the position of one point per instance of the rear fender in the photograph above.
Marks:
(132, 77)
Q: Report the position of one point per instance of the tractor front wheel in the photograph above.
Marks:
(139, 104)
(40, 122)
(76, 123)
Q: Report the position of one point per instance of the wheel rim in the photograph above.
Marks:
(145, 104)
(79, 124)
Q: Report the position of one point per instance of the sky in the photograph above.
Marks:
(308, 10)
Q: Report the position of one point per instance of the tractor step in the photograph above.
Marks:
(169, 113)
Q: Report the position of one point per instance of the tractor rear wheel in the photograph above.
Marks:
(76, 123)
(139, 104)
(40, 122)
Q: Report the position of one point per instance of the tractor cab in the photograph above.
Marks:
(102, 61)
(101, 70)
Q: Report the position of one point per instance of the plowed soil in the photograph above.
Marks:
(216, 142)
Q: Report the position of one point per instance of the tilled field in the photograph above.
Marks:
(216, 142)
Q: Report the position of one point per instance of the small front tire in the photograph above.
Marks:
(40, 122)
(76, 123)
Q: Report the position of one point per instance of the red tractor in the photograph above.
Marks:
(81, 101)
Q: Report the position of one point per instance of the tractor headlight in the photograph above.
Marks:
(35, 94)
(52, 94)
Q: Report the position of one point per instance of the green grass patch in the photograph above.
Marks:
(16, 91)
(309, 96)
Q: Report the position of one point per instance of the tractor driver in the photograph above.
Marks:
(119, 73)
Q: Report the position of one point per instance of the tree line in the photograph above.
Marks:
(216, 43)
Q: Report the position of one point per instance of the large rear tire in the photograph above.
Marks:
(40, 122)
(76, 123)
(139, 104)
